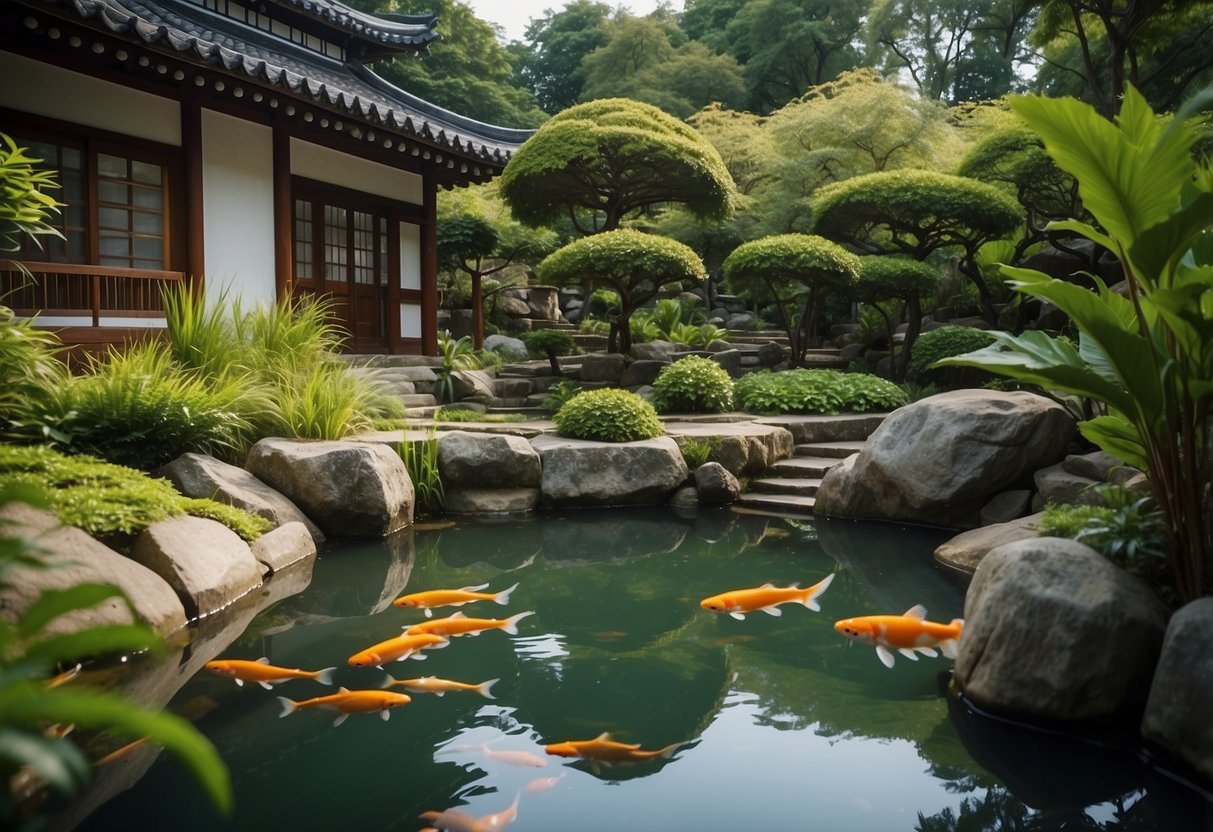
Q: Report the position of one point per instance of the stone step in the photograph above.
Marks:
(802, 466)
(774, 503)
(846, 427)
(837, 451)
(795, 486)
(426, 413)
(526, 410)
(508, 403)
(418, 400)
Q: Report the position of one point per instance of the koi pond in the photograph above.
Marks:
(780, 722)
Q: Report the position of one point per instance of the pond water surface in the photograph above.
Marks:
(781, 724)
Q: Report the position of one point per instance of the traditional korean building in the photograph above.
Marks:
(245, 145)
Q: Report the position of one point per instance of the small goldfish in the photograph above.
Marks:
(397, 649)
(452, 598)
(908, 634)
(349, 702)
(739, 602)
(602, 749)
(64, 677)
(438, 687)
(122, 752)
(522, 759)
(456, 820)
(459, 625)
(263, 673)
(542, 784)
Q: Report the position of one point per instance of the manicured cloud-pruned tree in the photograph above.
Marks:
(916, 213)
(894, 277)
(634, 264)
(792, 271)
(600, 162)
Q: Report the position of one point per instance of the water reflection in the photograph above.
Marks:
(773, 714)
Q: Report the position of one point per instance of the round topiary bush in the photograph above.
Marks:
(608, 415)
(543, 343)
(946, 342)
(693, 384)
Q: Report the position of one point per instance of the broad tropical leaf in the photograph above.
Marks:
(1117, 435)
(53, 603)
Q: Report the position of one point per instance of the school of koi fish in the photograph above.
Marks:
(909, 634)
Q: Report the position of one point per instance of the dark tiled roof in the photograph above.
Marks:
(411, 31)
(206, 37)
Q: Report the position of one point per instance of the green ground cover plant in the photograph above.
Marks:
(559, 393)
(608, 415)
(816, 391)
(693, 384)
(454, 414)
(111, 502)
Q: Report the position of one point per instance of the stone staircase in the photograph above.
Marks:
(790, 485)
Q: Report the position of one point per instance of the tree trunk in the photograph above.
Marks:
(913, 327)
(477, 312)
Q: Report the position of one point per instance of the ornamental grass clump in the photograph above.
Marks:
(608, 415)
(693, 384)
(816, 391)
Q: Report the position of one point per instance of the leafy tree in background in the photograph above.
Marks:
(787, 46)
(794, 272)
(633, 264)
(467, 71)
(925, 38)
(477, 236)
(706, 20)
(917, 213)
(999, 55)
(641, 61)
(558, 42)
(600, 162)
(893, 277)
(1094, 48)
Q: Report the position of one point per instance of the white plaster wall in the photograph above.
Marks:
(53, 92)
(238, 212)
(410, 320)
(342, 169)
(410, 256)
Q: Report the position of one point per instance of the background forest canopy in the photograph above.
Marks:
(756, 56)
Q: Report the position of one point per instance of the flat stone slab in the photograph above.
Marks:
(282, 547)
(843, 427)
(966, 550)
(489, 500)
(744, 448)
(577, 472)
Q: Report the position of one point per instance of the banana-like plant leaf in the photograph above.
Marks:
(1157, 252)
(1183, 310)
(56, 761)
(1084, 229)
(30, 705)
(53, 603)
(1116, 435)
(96, 641)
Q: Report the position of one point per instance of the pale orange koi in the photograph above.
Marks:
(349, 702)
(438, 687)
(459, 625)
(264, 673)
(452, 598)
(767, 598)
(908, 634)
(456, 820)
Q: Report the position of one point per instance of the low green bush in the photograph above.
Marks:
(946, 342)
(608, 415)
(693, 384)
(111, 502)
(816, 391)
(559, 393)
(543, 343)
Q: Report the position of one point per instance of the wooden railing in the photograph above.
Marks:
(68, 290)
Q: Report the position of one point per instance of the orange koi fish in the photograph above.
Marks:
(122, 752)
(908, 634)
(452, 598)
(739, 602)
(542, 784)
(438, 687)
(459, 625)
(522, 759)
(456, 820)
(264, 673)
(602, 749)
(64, 677)
(397, 649)
(349, 702)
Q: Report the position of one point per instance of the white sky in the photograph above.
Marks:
(514, 15)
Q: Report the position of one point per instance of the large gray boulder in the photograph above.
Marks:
(199, 475)
(1055, 631)
(350, 489)
(577, 472)
(282, 547)
(1178, 713)
(715, 486)
(746, 449)
(204, 561)
(472, 384)
(968, 548)
(76, 558)
(603, 366)
(939, 460)
(484, 460)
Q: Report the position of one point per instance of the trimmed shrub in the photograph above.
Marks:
(693, 385)
(946, 342)
(608, 415)
(816, 391)
(549, 343)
